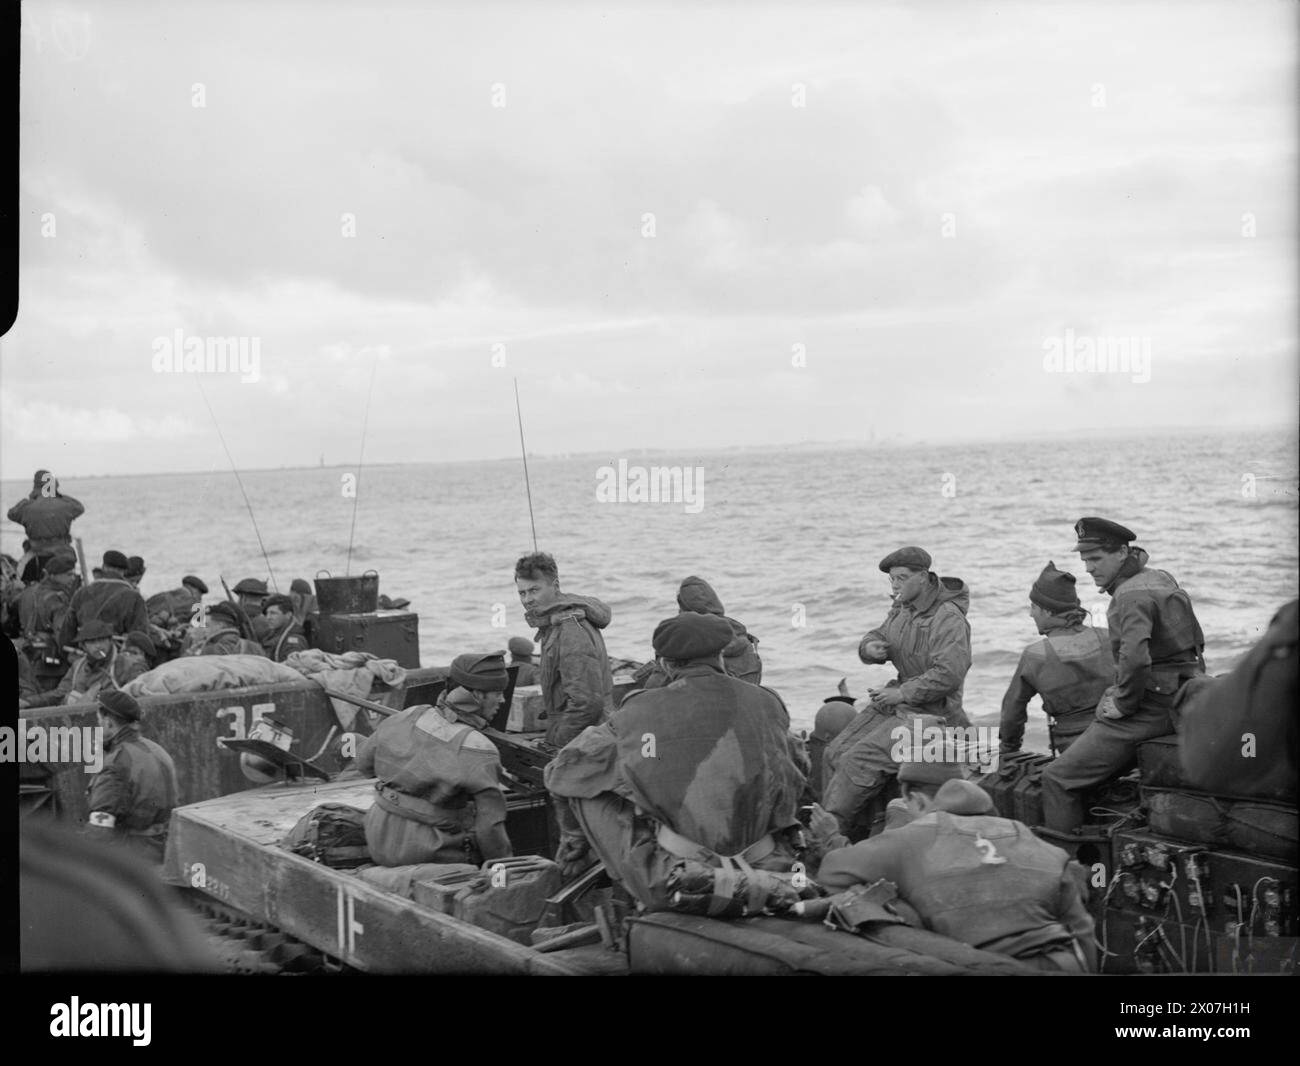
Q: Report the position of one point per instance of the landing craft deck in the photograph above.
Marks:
(227, 848)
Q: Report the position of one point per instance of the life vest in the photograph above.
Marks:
(429, 768)
(1079, 667)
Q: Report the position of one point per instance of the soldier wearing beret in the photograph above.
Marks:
(41, 610)
(219, 634)
(251, 594)
(110, 599)
(132, 796)
(284, 635)
(521, 655)
(135, 570)
(700, 769)
(1070, 668)
(927, 638)
(1158, 646)
(171, 614)
(439, 795)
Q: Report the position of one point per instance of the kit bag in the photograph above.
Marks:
(332, 834)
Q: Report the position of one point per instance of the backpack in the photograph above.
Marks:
(332, 834)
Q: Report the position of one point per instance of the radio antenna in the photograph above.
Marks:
(222, 437)
(356, 495)
(523, 451)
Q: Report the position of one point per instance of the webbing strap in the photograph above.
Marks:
(724, 888)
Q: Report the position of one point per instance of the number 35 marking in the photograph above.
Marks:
(238, 716)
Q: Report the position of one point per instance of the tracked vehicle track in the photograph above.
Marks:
(244, 945)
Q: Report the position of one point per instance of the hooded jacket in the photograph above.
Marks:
(573, 666)
(1154, 633)
(929, 643)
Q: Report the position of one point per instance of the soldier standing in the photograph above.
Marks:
(1158, 647)
(1070, 668)
(47, 516)
(132, 797)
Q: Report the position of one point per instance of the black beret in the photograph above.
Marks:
(94, 630)
(61, 562)
(196, 583)
(135, 566)
(252, 586)
(692, 636)
(224, 609)
(119, 704)
(1097, 532)
(299, 585)
(115, 559)
(1054, 591)
(520, 646)
(915, 558)
(483, 673)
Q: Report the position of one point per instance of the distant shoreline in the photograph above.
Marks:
(885, 444)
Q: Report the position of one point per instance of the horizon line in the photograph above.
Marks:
(843, 443)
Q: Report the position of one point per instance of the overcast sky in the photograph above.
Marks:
(962, 184)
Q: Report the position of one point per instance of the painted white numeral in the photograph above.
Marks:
(348, 926)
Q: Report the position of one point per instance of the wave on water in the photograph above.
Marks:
(776, 545)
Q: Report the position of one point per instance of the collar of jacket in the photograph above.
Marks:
(1064, 623)
(554, 615)
(698, 668)
(1137, 559)
(121, 734)
(455, 714)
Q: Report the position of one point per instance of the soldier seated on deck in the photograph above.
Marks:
(699, 771)
(439, 779)
(1070, 668)
(975, 877)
